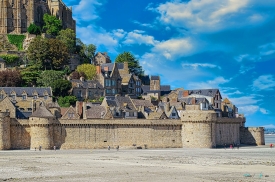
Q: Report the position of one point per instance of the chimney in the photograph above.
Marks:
(185, 93)
(193, 100)
(84, 106)
(76, 107)
(167, 107)
(126, 68)
(98, 70)
(106, 68)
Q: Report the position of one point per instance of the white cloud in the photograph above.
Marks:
(245, 100)
(269, 126)
(248, 109)
(86, 10)
(174, 48)
(143, 24)
(197, 65)
(264, 82)
(264, 111)
(208, 84)
(267, 49)
(138, 37)
(210, 15)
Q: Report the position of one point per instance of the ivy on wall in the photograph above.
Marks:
(16, 40)
(10, 58)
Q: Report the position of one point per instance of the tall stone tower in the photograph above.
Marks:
(5, 142)
(41, 123)
(155, 83)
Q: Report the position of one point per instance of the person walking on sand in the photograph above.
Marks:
(225, 146)
(117, 148)
(109, 147)
(54, 147)
(271, 145)
(40, 147)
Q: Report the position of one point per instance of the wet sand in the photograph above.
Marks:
(245, 164)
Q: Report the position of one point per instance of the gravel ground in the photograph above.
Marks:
(245, 164)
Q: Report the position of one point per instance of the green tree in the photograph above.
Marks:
(29, 76)
(88, 69)
(68, 37)
(86, 52)
(61, 87)
(66, 101)
(37, 52)
(34, 29)
(57, 54)
(52, 24)
(133, 63)
(46, 78)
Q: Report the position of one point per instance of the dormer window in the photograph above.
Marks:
(1, 96)
(24, 97)
(45, 97)
(35, 97)
(13, 96)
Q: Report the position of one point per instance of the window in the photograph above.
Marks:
(70, 115)
(114, 91)
(131, 114)
(13, 97)
(35, 97)
(173, 114)
(45, 97)
(107, 82)
(24, 97)
(79, 93)
(90, 93)
(113, 82)
(1, 96)
(29, 109)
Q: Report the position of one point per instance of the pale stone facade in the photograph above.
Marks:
(17, 15)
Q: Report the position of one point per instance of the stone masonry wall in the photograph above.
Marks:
(20, 134)
(252, 136)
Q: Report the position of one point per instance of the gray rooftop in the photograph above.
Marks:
(42, 112)
(29, 90)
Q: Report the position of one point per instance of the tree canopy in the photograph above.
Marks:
(66, 101)
(37, 52)
(89, 71)
(87, 52)
(57, 54)
(133, 63)
(68, 37)
(61, 87)
(46, 78)
(52, 24)
(34, 29)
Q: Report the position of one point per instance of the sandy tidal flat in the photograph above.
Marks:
(245, 164)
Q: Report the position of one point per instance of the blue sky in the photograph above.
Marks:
(194, 44)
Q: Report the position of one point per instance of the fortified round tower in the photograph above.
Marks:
(41, 123)
(5, 142)
(198, 128)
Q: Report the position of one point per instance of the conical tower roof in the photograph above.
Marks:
(42, 112)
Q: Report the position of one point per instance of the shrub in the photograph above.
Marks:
(10, 58)
(34, 29)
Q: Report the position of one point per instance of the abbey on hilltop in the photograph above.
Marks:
(17, 15)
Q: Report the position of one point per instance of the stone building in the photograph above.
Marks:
(86, 89)
(98, 129)
(109, 77)
(22, 101)
(101, 58)
(17, 15)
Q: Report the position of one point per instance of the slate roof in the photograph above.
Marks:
(110, 66)
(120, 101)
(29, 90)
(2, 60)
(86, 84)
(42, 112)
(206, 92)
(53, 105)
(188, 100)
(145, 103)
(178, 105)
(95, 112)
(23, 115)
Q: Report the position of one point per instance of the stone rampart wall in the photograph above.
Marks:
(252, 135)
(227, 133)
